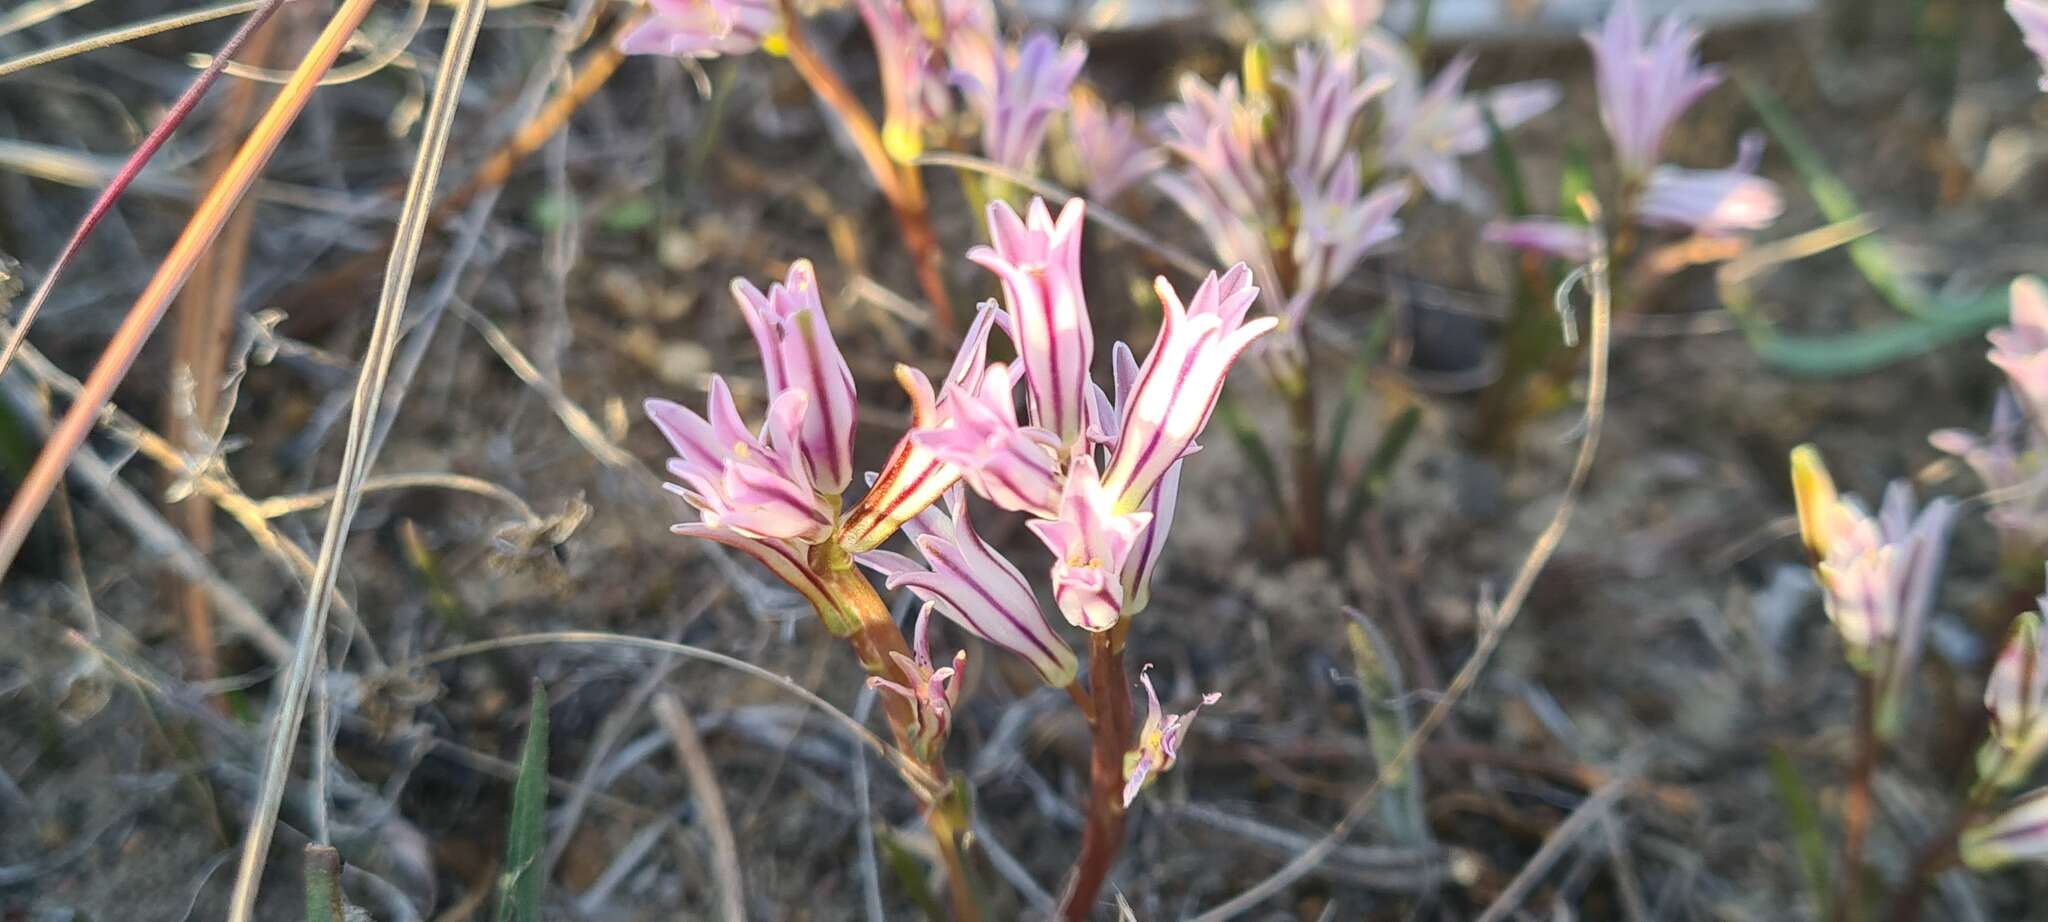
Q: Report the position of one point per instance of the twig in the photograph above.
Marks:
(1490, 636)
(703, 778)
(123, 34)
(355, 461)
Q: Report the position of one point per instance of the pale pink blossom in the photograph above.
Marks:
(2007, 460)
(1716, 203)
(1017, 104)
(702, 28)
(1339, 224)
(1016, 467)
(1325, 95)
(1647, 76)
(1549, 236)
(1159, 503)
(1182, 377)
(1159, 740)
(753, 485)
(933, 693)
(1878, 575)
(1426, 129)
(1110, 149)
(976, 588)
(799, 354)
(1090, 540)
(2020, 349)
(1038, 260)
(914, 90)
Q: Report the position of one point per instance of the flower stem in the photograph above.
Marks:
(900, 183)
(874, 636)
(1937, 855)
(1102, 838)
(1309, 494)
(1856, 804)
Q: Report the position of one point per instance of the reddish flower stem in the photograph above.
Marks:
(1856, 805)
(1103, 837)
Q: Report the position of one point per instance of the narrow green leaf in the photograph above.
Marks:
(1871, 255)
(1355, 382)
(909, 870)
(519, 886)
(1867, 350)
(323, 885)
(1808, 842)
(1514, 191)
(1381, 695)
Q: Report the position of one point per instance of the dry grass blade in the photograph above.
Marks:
(169, 22)
(1595, 275)
(1595, 809)
(205, 224)
(144, 152)
(28, 14)
(703, 778)
(355, 461)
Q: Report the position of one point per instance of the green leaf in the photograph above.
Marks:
(1867, 350)
(1382, 694)
(519, 886)
(1871, 255)
(1515, 192)
(1808, 842)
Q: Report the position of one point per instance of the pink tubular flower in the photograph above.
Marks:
(1325, 95)
(1091, 541)
(976, 588)
(1878, 577)
(1339, 224)
(756, 486)
(1015, 467)
(1110, 150)
(1647, 77)
(2032, 18)
(1715, 203)
(1426, 130)
(2021, 349)
(1159, 739)
(2018, 833)
(2018, 689)
(933, 693)
(1548, 236)
(1177, 387)
(915, 476)
(703, 28)
(1038, 260)
(2007, 461)
(1017, 106)
(914, 89)
(799, 354)
(1159, 503)
(969, 38)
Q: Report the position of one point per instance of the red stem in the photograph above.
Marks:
(1103, 837)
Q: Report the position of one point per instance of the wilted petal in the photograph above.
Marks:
(1647, 76)
(1181, 379)
(1038, 260)
(978, 589)
(702, 28)
(798, 353)
(1549, 236)
(2018, 833)
(1159, 740)
(933, 693)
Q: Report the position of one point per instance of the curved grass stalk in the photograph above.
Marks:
(121, 35)
(378, 58)
(355, 461)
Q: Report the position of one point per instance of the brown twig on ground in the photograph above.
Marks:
(710, 800)
(1110, 722)
(1593, 809)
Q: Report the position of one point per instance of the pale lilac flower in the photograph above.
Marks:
(1426, 130)
(2007, 461)
(1110, 150)
(1878, 576)
(1325, 95)
(799, 354)
(1177, 387)
(1016, 106)
(1091, 540)
(703, 28)
(1221, 137)
(1339, 224)
(1647, 76)
(2018, 689)
(2018, 833)
(933, 693)
(2021, 349)
(1549, 236)
(914, 477)
(1715, 203)
(755, 485)
(1038, 260)
(1159, 740)
(1014, 466)
(976, 588)
(2032, 18)
(914, 91)
(1159, 503)
(969, 37)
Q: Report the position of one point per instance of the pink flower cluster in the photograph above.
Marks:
(2009, 457)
